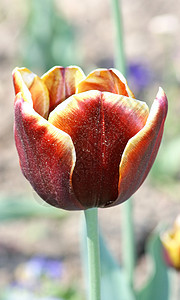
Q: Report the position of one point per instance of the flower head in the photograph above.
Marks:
(84, 141)
(171, 245)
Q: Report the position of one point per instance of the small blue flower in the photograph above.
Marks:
(31, 273)
(40, 266)
(139, 74)
(52, 268)
(35, 266)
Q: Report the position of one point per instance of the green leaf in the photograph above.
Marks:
(114, 284)
(113, 280)
(22, 208)
(157, 286)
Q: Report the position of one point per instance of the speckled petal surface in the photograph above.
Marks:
(100, 125)
(47, 156)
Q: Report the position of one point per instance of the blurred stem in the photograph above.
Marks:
(127, 208)
(120, 63)
(128, 243)
(92, 230)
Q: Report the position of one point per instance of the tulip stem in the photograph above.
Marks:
(92, 230)
(120, 62)
(128, 243)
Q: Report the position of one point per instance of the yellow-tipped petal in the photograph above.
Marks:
(141, 150)
(61, 83)
(105, 80)
(32, 89)
(47, 156)
(171, 245)
(22, 80)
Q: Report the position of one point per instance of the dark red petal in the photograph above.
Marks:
(100, 125)
(47, 156)
(105, 80)
(61, 83)
(141, 150)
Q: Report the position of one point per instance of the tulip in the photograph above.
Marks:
(84, 141)
(171, 245)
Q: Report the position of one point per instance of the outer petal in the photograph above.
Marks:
(105, 80)
(61, 83)
(47, 156)
(32, 89)
(100, 125)
(141, 150)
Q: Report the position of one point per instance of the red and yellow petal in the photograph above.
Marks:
(105, 80)
(47, 156)
(171, 250)
(141, 150)
(171, 245)
(100, 125)
(33, 90)
(61, 83)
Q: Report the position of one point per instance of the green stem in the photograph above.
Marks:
(91, 217)
(120, 62)
(128, 243)
(127, 209)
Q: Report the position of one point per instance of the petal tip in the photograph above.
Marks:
(14, 71)
(160, 93)
(162, 99)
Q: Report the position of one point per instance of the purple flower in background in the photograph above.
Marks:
(139, 74)
(34, 266)
(30, 273)
(45, 266)
(32, 276)
(53, 268)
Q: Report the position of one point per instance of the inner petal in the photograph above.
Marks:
(32, 89)
(61, 83)
(100, 125)
(105, 80)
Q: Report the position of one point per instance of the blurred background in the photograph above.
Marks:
(39, 245)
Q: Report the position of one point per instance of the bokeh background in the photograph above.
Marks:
(39, 245)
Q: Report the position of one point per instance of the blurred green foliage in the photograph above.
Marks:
(13, 208)
(47, 290)
(47, 38)
(157, 285)
(166, 169)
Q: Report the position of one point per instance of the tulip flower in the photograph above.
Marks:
(82, 141)
(171, 245)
